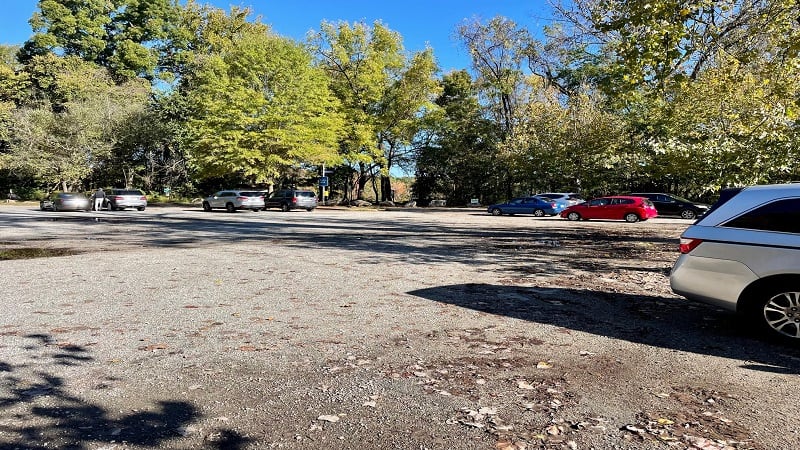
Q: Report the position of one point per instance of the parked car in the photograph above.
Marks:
(65, 201)
(558, 205)
(119, 199)
(568, 198)
(524, 205)
(743, 255)
(672, 205)
(288, 199)
(616, 207)
(233, 200)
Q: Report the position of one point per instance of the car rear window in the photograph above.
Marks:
(131, 192)
(782, 216)
(305, 194)
(250, 194)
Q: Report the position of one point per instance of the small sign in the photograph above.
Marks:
(474, 202)
(167, 190)
(323, 181)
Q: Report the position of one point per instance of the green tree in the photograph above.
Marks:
(460, 162)
(63, 142)
(383, 94)
(257, 106)
(129, 37)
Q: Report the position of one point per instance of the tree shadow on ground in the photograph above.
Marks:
(670, 323)
(38, 410)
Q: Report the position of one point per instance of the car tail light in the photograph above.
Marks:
(294, 199)
(143, 198)
(118, 197)
(688, 244)
(241, 199)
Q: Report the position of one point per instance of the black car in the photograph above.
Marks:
(672, 205)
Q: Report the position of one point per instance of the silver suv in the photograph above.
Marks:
(119, 199)
(744, 255)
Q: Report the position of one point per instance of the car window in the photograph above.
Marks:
(515, 201)
(130, 192)
(575, 197)
(782, 216)
(661, 198)
(250, 194)
(305, 194)
(552, 195)
(599, 202)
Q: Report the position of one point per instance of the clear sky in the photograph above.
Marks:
(420, 23)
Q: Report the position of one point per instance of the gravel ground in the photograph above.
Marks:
(408, 329)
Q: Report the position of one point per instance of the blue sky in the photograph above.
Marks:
(431, 22)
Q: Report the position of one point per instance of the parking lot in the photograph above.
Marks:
(349, 328)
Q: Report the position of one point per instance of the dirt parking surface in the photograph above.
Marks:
(408, 328)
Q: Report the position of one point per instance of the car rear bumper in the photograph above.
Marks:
(719, 282)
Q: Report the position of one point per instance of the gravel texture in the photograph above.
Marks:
(349, 329)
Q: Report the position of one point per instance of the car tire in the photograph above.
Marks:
(688, 214)
(141, 208)
(111, 207)
(284, 207)
(573, 216)
(497, 212)
(631, 218)
(255, 209)
(776, 311)
(309, 209)
(229, 207)
(538, 212)
(206, 206)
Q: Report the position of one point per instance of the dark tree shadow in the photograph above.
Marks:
(671, 323)
(38, 411)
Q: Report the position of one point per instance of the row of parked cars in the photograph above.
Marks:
(284, 199)
(632, 207)
(114, 200)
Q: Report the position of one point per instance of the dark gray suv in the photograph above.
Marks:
(289, 199)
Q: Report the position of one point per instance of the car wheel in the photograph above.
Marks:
(777, 311)
(309, 209)
(206, 206)
(284, 207)
(688, 214)
(255, 209)
(631, 217)
(41, 206)
(573, 216)
(497, 212)
(538, 212)
(110, 207)
(55, 207)
(229, 207)
(141, 208)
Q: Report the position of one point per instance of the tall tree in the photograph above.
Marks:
(128, 37)
(257, 105)
(63, 143)
(382, 93)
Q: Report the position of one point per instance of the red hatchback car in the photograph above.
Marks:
(616, 207)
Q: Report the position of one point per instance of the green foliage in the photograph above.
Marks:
(62, 143)
(257, 105)
(384, 96)
(127, 36)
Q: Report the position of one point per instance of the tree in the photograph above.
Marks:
(127, 36)
(460, 162)
(382, 94)
(61, 142)
(257, 106)
(499, 51)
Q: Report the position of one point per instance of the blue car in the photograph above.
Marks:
(524, 205)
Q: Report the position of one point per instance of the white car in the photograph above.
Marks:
(744, 256)
(233, 200)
